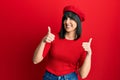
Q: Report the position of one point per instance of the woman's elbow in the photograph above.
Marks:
(83, 75)
(36, 61)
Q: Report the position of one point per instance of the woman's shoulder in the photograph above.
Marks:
(56, 35)
(83, 39)
(80, 39)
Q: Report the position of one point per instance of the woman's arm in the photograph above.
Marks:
(38, 54)
(85, 68)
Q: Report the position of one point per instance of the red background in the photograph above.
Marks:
(24, 22)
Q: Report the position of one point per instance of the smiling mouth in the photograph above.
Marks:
(68, 26)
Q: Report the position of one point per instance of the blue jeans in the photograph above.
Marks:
(50, 76)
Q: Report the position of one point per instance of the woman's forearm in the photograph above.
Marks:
(38, 53)
(85, 68)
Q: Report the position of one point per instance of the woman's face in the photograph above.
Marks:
(70, 25)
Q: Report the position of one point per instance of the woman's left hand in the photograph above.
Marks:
(86, 46)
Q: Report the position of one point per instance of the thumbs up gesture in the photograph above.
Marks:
(49, 37)
(86, 45)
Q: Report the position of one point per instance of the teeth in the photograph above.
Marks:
(68, 26)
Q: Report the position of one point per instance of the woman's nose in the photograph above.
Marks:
(67, 20)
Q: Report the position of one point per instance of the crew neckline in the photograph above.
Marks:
(69, 39)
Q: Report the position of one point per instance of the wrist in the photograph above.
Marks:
(43, 40)
(89, 52)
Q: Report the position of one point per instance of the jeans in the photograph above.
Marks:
(50, 76)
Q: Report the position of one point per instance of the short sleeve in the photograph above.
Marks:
(46, 49)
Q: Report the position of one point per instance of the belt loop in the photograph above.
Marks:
(59, 77)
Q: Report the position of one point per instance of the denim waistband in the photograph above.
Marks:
(69, 76)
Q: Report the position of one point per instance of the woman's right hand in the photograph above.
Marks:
(49, 37)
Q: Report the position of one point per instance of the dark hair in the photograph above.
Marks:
(73, 16)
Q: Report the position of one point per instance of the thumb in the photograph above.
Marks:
(49, 29)
(90, 40)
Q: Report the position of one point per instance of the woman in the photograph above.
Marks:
(68, 56)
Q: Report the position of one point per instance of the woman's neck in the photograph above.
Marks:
(70, 35)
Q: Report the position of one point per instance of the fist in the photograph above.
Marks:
(49, 37)
(86, 45)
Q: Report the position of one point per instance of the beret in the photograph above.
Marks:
(74, 10)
